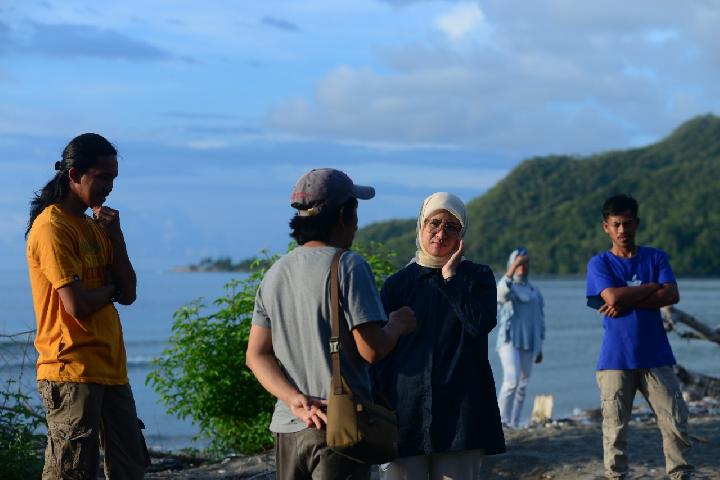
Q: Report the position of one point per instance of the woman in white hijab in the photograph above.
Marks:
(520, 336)
(438, 379)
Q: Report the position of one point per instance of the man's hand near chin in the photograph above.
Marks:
(109, 219)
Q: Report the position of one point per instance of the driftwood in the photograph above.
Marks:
(542, 409)
(672, 316)
(695, 384)
(698, 385)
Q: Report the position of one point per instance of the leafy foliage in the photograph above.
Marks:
(552, 206)
(380, 258)
(20, 445)
(201, 375)
(226, 264)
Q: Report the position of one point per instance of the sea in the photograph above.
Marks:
(573, 335)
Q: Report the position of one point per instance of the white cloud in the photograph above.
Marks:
(660, 37)
(464, 104)
(560, 77)
(508, 77)
(209, 144)
(439, 177)
(462, 20)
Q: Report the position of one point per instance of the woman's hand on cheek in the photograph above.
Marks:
(450, 268)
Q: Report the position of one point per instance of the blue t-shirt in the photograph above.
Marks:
(636, 339)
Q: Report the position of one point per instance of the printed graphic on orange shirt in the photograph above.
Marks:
(90, 261)
(94, 277)
(89, 248)
(95, 264)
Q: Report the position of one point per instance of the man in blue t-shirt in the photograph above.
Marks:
(632, 283)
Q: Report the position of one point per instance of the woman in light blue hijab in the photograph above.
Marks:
(521, 331)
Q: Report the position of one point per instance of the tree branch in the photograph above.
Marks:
(13, 335)
(672, 315)
(24, 410)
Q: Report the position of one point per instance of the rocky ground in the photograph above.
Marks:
(563, 449)
(574, 451)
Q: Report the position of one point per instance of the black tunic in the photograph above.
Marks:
(438, 378)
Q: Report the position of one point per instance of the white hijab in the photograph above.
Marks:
(433, 203)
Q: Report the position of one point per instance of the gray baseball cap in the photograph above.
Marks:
(323, 187)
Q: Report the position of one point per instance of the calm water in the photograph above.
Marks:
(146, 327)
(571, 347)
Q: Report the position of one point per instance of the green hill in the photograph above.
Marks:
(552, 206)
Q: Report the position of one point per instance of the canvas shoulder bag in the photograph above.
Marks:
(359, 429)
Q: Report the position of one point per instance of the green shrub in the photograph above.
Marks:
(20, 446)
(201, 375)
(381, 259)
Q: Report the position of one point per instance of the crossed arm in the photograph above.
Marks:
(80, 301)
(619, 300)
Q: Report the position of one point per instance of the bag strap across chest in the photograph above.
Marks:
(337, 384)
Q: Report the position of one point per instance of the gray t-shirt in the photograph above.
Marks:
(294, 302)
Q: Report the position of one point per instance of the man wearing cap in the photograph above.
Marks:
(288, 348)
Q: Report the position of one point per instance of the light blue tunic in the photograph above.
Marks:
(521, 319)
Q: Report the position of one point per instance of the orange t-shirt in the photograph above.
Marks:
(61, 249)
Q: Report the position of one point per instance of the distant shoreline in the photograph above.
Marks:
(196, 269)
(222, 265)
(245, 268)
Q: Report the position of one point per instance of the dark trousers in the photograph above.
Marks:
(304, 455)
(81, 417)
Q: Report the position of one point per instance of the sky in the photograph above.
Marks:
(217, 107)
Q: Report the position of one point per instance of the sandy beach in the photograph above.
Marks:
(562, 449)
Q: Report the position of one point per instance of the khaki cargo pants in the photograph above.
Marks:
(661, 389)
(81, 417)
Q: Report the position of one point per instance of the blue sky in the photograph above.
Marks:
(217, 107)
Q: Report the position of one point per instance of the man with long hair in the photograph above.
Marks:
(78, 268)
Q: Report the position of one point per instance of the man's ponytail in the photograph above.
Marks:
(53, 192)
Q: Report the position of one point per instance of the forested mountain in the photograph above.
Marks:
(552, 206)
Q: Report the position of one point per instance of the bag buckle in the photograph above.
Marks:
(334, 345)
